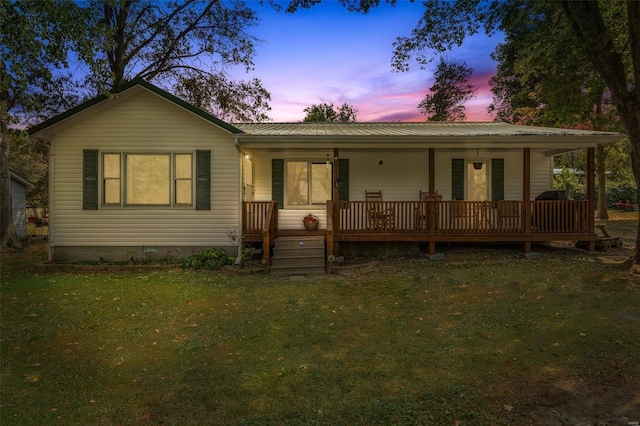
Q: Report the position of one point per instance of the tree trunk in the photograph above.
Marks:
(8, 236)
(633, 132)
(603, 214)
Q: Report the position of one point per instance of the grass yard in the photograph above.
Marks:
(481, 338)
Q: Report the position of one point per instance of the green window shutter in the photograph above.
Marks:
(343, 171)
(277, 181)
(457, 179)
(90, 179)
(203, 180)
(497, 179)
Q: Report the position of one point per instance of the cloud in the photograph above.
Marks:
(325, 54)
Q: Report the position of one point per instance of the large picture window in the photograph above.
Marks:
(158, 179)
(308, 183)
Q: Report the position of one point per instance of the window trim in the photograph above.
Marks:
(172, 181)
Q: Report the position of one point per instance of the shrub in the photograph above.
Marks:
(210, 259)
(568, 181)
(248, 255)
(615, 191)
(621, 192)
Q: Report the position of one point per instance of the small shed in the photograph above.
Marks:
(19, 186)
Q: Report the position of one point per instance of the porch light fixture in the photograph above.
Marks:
(477, 164)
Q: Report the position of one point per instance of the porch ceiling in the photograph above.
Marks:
(418, 135)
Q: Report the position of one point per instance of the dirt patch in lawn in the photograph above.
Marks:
(582, 403)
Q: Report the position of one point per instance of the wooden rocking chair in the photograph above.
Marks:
(380, 218)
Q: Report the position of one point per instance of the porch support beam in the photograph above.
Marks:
(432, 170)
(591, 190)
(336, 174)
(333, 246)
(526, 195)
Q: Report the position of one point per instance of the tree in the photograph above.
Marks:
(327, 113)
(550, 84)
(449, 92)
(32, 50)
(185, 43)
(608, 57)
(30, 159)
(227, 100)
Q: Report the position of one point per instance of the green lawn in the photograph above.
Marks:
(481, 338)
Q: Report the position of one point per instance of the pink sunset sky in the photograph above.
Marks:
(326, 54)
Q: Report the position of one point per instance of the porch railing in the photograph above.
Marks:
(435, 217)
(254, 214)
(461, 217)
(261, 217)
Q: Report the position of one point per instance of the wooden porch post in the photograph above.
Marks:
(334, 249)
(526, 196)
(432, 170)
(432, 206)
(591, 189)
(336, 174)
(329, 241)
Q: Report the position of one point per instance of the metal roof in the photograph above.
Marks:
(418, 135)
(425, 129)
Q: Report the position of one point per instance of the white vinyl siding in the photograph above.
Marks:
(402, 176)
(541, 170)
(145, 123)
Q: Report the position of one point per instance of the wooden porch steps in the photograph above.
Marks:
(298, 256)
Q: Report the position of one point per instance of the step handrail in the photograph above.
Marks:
(269, 233)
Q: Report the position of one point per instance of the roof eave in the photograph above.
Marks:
(547, 142)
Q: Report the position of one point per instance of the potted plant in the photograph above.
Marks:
(311, 222)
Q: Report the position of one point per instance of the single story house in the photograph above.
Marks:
(19, 187)
(143, 173)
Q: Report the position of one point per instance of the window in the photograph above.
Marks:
(308, 183)
(183, 179)
(111, 176)
(133, 179)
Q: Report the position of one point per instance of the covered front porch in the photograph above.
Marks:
(482, 180)
(431, 222)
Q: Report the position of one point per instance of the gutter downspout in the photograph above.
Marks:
(51, 203)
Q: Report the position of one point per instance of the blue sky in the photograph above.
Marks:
(326, 54)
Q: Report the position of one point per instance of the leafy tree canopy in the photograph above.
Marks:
(32, 48)
(449, 92)
(187, 44)
(327, 113)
